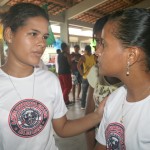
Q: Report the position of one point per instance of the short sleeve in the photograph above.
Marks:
(92, 76)
(59, 105)
(100, 135)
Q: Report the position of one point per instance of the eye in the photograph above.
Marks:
(45, 37)
(33, 34)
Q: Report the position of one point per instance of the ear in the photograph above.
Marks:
(133, 55)
(8, 35)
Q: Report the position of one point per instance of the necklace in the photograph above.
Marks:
(123, 115)
(18, 94)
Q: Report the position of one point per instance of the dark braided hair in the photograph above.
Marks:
(133, 29)
(98, 26)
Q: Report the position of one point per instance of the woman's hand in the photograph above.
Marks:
(100, 109)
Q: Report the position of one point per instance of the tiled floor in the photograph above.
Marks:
(76, 142)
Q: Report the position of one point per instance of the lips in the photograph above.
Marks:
(38, 54)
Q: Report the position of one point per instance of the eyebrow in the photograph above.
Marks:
(40, 32)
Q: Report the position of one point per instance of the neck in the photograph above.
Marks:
(89, 54)
(76, 52)
(112, 80)
(17, 71)
(138, 91)
(138, 94)
(137, 85)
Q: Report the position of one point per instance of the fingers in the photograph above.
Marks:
(103, 102)
(102, 105)
(105, 99)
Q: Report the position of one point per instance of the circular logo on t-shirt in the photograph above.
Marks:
(28, 118)
(115, 136)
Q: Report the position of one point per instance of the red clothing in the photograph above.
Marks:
(66, 85)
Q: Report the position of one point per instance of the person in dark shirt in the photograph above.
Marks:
(64, 72)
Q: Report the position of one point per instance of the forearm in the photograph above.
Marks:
(90, 107)
(90, 139)
(79, 65)
(66, 128)
(80, 70)
(78, 126)
(99, 147)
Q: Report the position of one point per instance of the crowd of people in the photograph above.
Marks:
(33, 100)
(72, 72)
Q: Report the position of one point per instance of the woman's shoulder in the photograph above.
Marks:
(92, 76)
(45, 73)
(117, 95)
(94, 70)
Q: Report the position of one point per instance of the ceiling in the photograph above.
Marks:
(79, 12)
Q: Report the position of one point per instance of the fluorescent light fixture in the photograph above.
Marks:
(73, 31)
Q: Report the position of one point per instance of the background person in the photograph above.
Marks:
(64, 72)
(76, 77)
(125, 55)
(56, 59)
(84, 65)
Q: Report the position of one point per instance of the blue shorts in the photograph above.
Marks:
(76, 78)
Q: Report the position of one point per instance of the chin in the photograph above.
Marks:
(103, 73)
(34, 62)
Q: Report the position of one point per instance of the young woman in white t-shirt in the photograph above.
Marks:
(31, 101)
(99, 86)
(125, 54)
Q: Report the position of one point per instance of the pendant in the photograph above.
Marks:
(121, 120)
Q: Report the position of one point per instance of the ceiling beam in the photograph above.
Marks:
(60, 19)
(143, 4)
(59, 2)
(3, 2)
(56, 18)
(128, 2)
(4, 9)
(80, 24)
(81, 8)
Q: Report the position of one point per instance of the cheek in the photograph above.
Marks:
(110, 64)
(25, 44)
(22, 47)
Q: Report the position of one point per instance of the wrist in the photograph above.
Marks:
(98, 116)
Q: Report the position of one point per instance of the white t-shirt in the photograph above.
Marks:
(42, 65)
(26, 123)
(133, 133)
(92, 76)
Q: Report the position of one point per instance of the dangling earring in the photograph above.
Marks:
(8, 41)
(128, 66)
(99, 54)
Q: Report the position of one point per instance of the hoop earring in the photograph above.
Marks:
(128, 66)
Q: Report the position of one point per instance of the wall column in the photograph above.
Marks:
(64, 32)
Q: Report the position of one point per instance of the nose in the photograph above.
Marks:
(42, 42)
